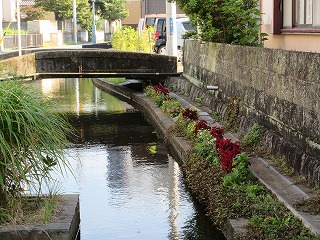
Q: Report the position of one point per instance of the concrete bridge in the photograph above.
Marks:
(69, 63)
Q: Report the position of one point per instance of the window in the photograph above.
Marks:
(303, 12)
(296, 16)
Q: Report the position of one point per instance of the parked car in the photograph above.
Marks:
(183, 26)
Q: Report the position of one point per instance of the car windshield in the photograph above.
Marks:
(187, 26)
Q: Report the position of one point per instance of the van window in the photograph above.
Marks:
(187, 26)
(161, 26)
(150, 22)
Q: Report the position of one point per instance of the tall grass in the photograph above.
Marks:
(32, 139)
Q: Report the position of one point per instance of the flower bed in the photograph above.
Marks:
(218, 175)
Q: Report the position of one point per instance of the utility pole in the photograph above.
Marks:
(19, 27)
(171, 24)
(1, 31)
(93, 37)
(74, 4)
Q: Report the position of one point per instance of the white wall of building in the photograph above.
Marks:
(8, 9)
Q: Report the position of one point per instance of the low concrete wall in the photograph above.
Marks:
(277, 89)
(19, 65)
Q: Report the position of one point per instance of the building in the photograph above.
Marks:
(134, 9)
(154, 6)
(139, 8)
(291, 24)
(10, 8)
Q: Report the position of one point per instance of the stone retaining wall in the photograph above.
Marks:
(277, 89)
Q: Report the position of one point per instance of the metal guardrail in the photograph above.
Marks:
(27, 41)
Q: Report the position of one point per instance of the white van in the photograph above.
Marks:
(148, 21)
(183, 26)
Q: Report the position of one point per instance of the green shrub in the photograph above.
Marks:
(128, 39)
(225, 21)
(171, 107)
(14, 31)
(251, 139)
(239, 172)
(146, 41)
(125, 38)
(205, 147)
(160, 98)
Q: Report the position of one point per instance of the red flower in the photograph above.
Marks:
(191, 114)
(161, 89)
(216, 132)
(201, 125)
(227, 151)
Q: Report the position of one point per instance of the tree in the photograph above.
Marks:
(226, 21)
(111, 10)
(33, 13)
(63, 10)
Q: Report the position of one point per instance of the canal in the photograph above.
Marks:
(129, 185)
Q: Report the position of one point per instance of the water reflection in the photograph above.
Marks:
(130, 187)
(79, 96)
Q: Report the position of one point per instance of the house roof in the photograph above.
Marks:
(27, 2)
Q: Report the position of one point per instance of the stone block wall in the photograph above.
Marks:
(278, 89)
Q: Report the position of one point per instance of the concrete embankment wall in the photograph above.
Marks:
(277, 89)
(18, 66)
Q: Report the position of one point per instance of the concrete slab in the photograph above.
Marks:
(285, 190)
(235, 227)
(64, 227)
